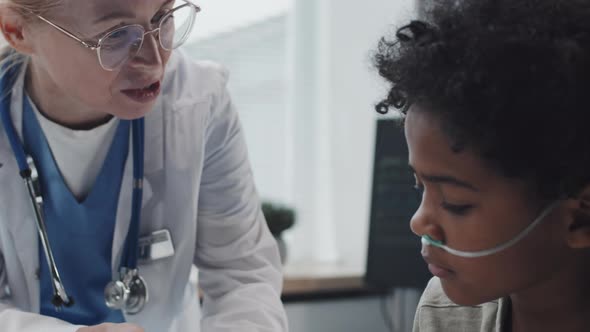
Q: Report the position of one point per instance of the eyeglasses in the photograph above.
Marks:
(116, 47)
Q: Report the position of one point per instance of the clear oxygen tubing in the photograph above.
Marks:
(428, 241)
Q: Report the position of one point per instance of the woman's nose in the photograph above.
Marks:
(149, 53)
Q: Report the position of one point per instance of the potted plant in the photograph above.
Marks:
(278, 218)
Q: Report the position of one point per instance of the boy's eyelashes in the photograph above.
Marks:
(456, 209)
(419, 191)
(419, 187)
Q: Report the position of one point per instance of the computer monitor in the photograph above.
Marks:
(394, 258)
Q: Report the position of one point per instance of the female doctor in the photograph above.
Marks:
(122, 164)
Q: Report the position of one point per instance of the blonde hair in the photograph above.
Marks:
(9, 57)
(26, 7)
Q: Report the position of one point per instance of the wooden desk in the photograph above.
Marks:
(316, 282)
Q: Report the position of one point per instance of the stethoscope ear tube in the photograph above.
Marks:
(60, 296)
(29, 174)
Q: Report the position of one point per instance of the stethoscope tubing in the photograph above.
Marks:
(36, 202)
(28, 172)
(132, 240)
(37, 205)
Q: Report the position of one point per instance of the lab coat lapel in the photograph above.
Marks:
(21, 221)
(22, 225)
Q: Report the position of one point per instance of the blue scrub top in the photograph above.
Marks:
(80, 233)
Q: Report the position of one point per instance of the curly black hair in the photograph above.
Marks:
(508, 78)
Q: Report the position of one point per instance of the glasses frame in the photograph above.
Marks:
(97, 46)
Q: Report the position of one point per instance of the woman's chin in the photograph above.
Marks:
(132, 112)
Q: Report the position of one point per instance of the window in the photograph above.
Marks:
(250, 39)
(302, 81)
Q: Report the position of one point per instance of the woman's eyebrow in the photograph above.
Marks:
(122, 14)
(114, 15)
(445, 179)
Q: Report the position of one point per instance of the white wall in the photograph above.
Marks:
(333, 119)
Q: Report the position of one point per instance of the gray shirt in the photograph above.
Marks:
(437, 313)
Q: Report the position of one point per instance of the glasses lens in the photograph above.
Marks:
(176, 26)
(119, 45)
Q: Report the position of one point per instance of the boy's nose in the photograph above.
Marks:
(424, 222)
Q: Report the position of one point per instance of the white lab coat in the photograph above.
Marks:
(198, 185)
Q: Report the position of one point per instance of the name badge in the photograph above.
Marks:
(155, 246)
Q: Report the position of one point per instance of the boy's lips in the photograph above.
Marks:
(438, 269)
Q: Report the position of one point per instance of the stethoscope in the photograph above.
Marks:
(129, 293)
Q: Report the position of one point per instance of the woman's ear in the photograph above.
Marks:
(578, 226)
(12, 25)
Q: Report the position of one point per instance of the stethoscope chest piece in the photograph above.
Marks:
(128, 294)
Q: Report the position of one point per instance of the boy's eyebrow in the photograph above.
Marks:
(121, 14)
(445, 179)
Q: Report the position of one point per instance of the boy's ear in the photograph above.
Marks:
(578, 226)
(12, 25)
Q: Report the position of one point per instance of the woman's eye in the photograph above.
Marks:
(457, 209)
(156, 19)
(118, 34)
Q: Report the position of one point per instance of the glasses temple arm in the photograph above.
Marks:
(67, 33)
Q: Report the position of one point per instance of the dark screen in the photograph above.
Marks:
(394, 258)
